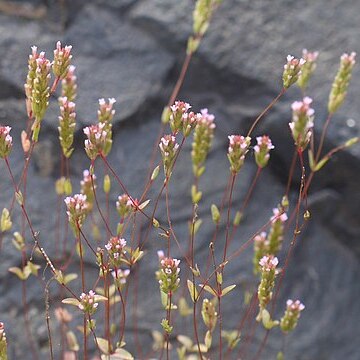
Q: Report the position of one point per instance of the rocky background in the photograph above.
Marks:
(132, 50)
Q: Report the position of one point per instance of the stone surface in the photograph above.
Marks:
(132, 50)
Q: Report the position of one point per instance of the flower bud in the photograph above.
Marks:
(302, 122)
(106, 112)
(124, 205)
(178, 110)
(292, 70)
(68, 84)
(209, 314)
(238, 147)
(3, 343)
(116, 249)
(261, 246)
(87, 303)
(341, 82)
(97, 140)
(276, 233)
(86, 186)
(120, 276)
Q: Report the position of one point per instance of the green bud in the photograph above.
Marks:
(107, 184)
(215, 213)
(6, 222)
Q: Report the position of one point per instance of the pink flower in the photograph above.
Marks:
(295, 305)
(268, 263)
(281, 216)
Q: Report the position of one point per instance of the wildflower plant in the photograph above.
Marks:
(198, 291)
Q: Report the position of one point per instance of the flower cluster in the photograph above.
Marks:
(68, 84)
(5, 141)
(66, 125)
(87, 303)
(302, 122)
(341, 82)
(120, 276)
(86, 188)
(62, 58)
(262, 150)
(268, 272)
(308, 68)
(32, 65)
(40, 93)
(124, 205)
(77, 209)
(178, 110)
(168, 148)
(276, 233)
(106, 112)
(238, 147)
(292, 70)
(97, 140)
(292, 314)
(203, 136)
(116, 248)
(169, 274)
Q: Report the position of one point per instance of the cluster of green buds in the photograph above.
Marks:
(62, 58)
(120, 276)
(168, 148)
(86, 188)
(308, 68)
(276, 233)
(209, 314)
(203, 136)
(3, 344)
(77, 209)
(40, 93)
(68, 84)
(116, 249)
(201, 19)
(66, 125)
(5, 141)
(292, 314)
(262, 150)
(88, 303)
(341, 82)
(268, 273)
(97, 141)
(302, 122)
(124, 205)
(292, 70)
(168, 274)
(238, 147)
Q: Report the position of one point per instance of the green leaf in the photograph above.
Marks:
(208, 339)
(100, 298)
(311, 160)
(6, 222)
(121, 354)
(192, 290)
(71, 301)
(280, 356)
(144, 204)
(104, 345)
(228, 289)
(266, 320)
(155, 173)
(185, 340)
(18, 272)
(321, 163)
(209, 289)
(107, 184)
(70, 277)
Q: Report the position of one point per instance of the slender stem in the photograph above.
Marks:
(282, 92)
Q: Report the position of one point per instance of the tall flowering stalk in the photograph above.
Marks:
(341, 82)
(97, 141)
(77, 209)
(291, 316)
(168, 275)
(302, 122)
